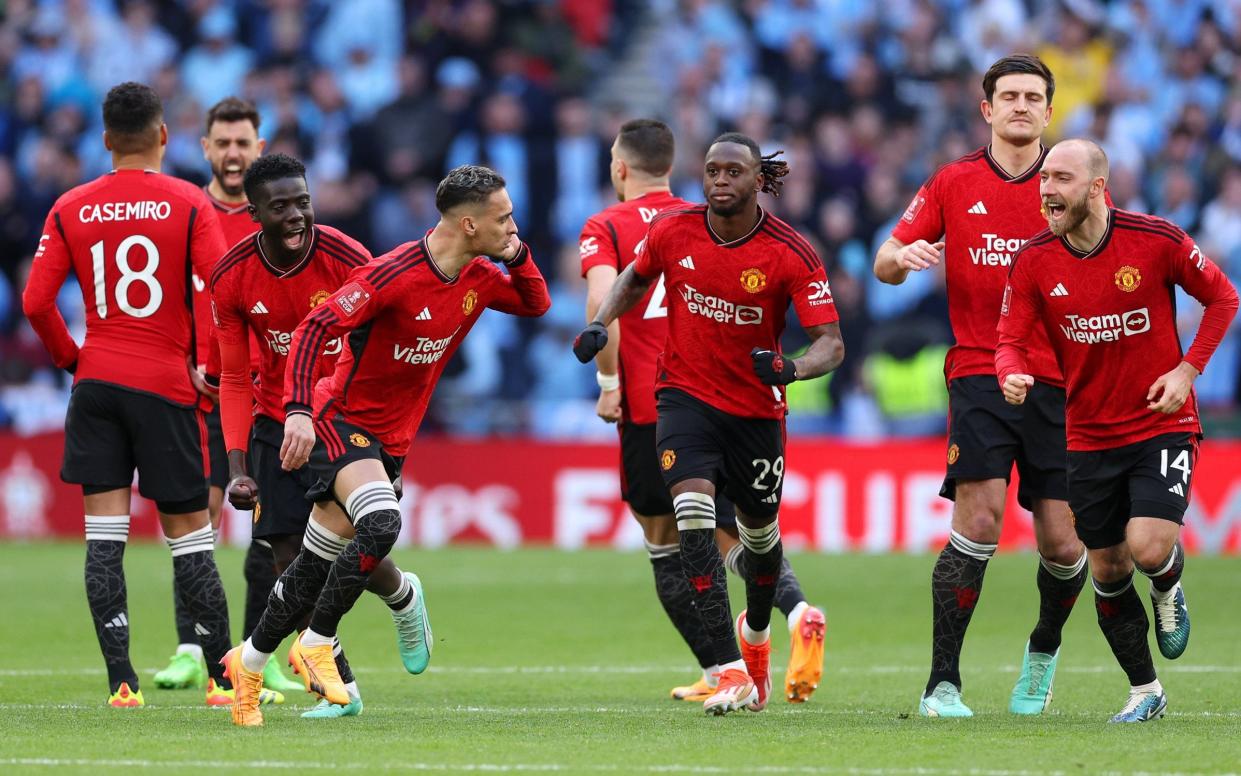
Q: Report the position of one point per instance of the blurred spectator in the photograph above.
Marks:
(216, 68)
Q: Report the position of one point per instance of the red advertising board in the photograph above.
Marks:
(508, 492)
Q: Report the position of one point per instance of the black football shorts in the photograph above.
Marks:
(642, 483)
(110, 431)
(217, 455)
(283, 508)
(1150, 478)
(338, 444)
(986, 435)
(744, 457)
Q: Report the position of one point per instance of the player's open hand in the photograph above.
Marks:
(242, 492)
(773, 368)
(299, 438)
(590, 341)
(920, 255)
(1016, 387)
(609, 406)
(1171, 390)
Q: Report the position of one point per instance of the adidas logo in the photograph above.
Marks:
(978, 208)
(259, 308)
(771, 499)
(1177, 489)
(1059, 290)
(687, 262)
(425, 315)
(119, 621)
(200, 630)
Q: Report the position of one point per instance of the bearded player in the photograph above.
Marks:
(972, 216)
(730, 270)
(1100, 283)
(402, 315)
(641, 160)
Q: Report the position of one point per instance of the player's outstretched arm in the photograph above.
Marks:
(47, 274)
(628, 289)
(895, 260)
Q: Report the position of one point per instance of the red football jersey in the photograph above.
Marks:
(133, 238)
(404, 319)
(1111, 319)
(727, 298)
(235, 225)
(612, 238)
(984, 216)
(248, 293)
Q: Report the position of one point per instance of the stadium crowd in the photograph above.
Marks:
(381, 97)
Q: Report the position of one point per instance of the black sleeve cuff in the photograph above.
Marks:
(293, 408)
(523, 253)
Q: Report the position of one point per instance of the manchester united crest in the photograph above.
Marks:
(318, 298)
(667, 459)
(1128, 278)
(753, 280)
(954, 453)
(469, 302)
(357, 440)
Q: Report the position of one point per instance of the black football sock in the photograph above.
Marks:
(704, 569)
(376, 517)
(342, 664)
(763, 553)
(788, 590)
(202, 593)
(106, 594)
(956, 583)
(1122, 618)
(1167, 574)
(677, 598)
(296, 590)
(185, 623)
(1058, 588)
(260, 574)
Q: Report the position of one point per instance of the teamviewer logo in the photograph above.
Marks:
(1136, 321)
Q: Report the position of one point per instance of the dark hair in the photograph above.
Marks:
(468, 184)
(648, 145)
(232, 109)
(131, 112)
(272, 167)
(771, 169)
(1018, 63)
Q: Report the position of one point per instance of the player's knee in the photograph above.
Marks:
(1149, 556)
(379, 530)
(978, 525)
(1107, 568)
(1064, 551)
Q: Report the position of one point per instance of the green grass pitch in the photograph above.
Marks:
(551, 662)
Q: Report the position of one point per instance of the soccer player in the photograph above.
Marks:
(730, 270)
(132, 237)
(266, 285)
(231, 145)
(401, 316)
(973, 215)
(1100, 284)
(641, 159)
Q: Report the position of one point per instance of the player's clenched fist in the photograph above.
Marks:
(592, 339)
(299, 438)
(773, 368)
(1016, 387)
(919, 255)
(243, 492)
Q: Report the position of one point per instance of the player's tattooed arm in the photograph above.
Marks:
(825, 354)
(242, 490)
(628, 289)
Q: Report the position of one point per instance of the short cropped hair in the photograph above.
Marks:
(1013, 64)
(131, 113)
(468, 184)
(272, 167)
(232, 109)
(648, 145)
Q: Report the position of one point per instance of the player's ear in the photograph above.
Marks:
(163, 134)
(202, 141)
(107, 142)
(468, 226)
(261, 145)
(984, 107)
(253, 211)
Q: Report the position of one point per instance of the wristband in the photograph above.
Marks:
(607, 382)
